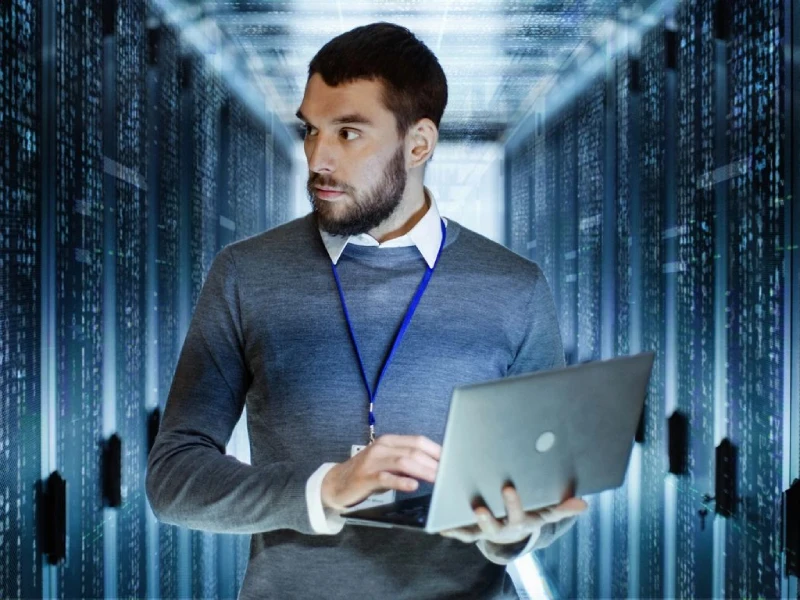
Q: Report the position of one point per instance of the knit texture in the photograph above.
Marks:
(269, 331)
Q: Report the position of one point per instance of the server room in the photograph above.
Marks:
(187, 409)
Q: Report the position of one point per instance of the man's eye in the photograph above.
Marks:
(346, 131)
(308, 129)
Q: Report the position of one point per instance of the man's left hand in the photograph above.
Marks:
(518, 524)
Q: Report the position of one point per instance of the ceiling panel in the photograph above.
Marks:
(495, 54)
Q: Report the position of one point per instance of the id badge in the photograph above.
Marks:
(375, 499)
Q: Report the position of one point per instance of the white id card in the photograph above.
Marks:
(376, 499)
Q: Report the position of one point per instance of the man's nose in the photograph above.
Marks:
(321, 158)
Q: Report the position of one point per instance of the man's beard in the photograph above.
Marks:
(365, 211)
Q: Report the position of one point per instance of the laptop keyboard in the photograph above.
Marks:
(416, 510)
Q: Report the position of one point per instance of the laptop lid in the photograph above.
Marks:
(553, 434)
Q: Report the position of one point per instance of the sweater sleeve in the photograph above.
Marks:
(190, 481)
(541, 347)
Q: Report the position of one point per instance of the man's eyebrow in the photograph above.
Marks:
(344, 119)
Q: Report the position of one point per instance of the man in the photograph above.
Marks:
(311, 324)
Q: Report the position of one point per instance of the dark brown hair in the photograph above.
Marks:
(414, 84)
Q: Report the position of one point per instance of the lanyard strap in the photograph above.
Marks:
(398, 337)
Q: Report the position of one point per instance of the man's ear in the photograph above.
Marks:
(421, 141)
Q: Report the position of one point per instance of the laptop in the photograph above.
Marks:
(552, 434)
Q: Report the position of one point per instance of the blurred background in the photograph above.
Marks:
(645, 154)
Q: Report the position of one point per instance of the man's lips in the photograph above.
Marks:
(327, 194)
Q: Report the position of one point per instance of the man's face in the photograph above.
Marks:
(351, 146)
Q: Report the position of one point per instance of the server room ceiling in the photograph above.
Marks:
(498, 55)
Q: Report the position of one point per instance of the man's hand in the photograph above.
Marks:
(518, 525)
(379, 467)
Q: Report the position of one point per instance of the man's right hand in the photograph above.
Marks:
(391, 462)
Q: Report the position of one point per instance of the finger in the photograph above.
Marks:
(570, 507)
(426, 460)
(486, 521)
(390, 481)
(514, 511)
(552, 514)
(411, 463)
(420, 442)
(463, 534)
(415, 454)
(574, 504)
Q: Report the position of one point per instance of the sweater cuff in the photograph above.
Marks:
(503, 554)
(549, 533)
(324, 521)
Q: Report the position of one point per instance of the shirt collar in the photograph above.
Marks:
(426, 235)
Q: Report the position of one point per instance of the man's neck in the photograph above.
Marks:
(403, 220)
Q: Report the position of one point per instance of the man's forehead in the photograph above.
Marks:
(352, 102)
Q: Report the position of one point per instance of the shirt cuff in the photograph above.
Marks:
(324, 521)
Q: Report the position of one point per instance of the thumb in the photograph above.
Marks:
(573, 504)
(568, 508)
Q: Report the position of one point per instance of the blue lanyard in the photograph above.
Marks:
(401, 332)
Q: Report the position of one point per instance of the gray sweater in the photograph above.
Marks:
(269, 330)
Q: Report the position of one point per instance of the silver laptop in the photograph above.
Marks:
(552, 434)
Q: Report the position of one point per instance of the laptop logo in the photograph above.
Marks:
(545, 441)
